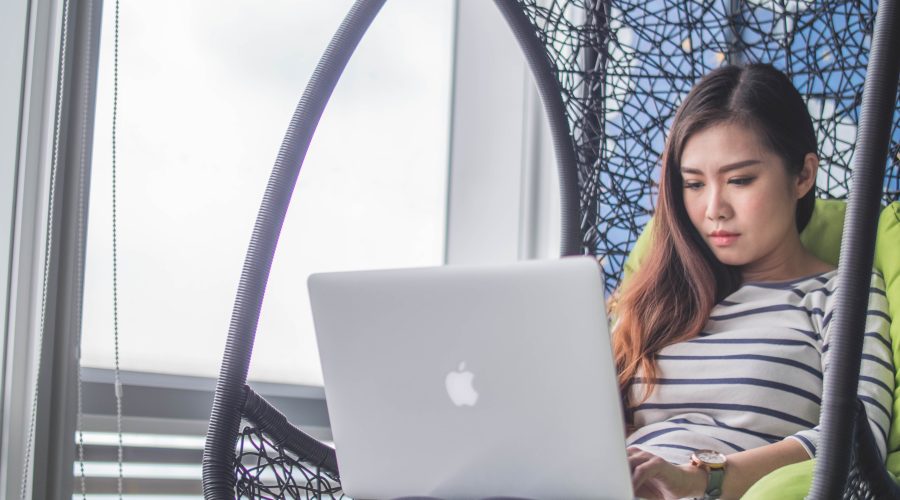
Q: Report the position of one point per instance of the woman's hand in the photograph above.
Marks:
(654, 478)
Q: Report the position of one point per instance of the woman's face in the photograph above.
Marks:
(740, 196)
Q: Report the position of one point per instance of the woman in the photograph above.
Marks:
(721, 336)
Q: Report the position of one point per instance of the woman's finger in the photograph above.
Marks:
(638, 458)
(645, 471)
(633, 450)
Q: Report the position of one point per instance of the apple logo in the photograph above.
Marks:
(459, 387)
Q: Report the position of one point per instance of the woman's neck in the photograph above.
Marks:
(789, 261)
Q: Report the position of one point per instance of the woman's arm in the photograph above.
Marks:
(653, 477)
(747, 467)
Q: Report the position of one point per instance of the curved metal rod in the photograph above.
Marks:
(551, 97)
(857, 254)
(221, 438)
(219, 452)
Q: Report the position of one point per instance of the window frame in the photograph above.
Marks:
(42, 104)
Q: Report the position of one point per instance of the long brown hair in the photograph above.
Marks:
(670, 297)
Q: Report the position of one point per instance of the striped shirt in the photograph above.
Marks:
(754, 375)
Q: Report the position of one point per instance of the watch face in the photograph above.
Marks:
(710, 457)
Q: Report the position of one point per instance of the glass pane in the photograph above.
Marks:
(206, 89)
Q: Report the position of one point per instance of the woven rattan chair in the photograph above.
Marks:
(611, 75)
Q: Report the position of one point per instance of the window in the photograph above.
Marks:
(205, 93)
(206, 90)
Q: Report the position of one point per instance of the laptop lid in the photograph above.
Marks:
(472, 381)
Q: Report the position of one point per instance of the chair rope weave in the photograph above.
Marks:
(277, 460)
(624, 66)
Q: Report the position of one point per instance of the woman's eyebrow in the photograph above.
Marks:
(723, 169)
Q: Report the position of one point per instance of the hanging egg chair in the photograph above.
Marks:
(611, 74)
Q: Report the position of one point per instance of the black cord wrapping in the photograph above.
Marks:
(548, 87)
(266, 464)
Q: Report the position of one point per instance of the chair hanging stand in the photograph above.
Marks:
(234, 400)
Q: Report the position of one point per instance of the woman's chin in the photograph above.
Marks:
(729, 258)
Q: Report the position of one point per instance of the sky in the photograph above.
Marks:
(206, 90)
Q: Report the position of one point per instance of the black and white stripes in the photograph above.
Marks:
(754, 376)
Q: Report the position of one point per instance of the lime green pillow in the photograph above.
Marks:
(822, 236)
(887, 260)
(789, 482)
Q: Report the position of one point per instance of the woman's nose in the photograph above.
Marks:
(717, 207)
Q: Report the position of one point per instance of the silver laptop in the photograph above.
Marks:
(472, 381)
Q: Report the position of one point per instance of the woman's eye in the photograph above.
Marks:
(693, 185)
(742, 181)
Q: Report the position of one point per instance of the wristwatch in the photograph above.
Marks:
(714, 464)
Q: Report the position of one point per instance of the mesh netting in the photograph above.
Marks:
(267, 471)
(867, 478)
(624, 67)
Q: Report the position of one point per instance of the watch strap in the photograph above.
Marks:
(714, 486)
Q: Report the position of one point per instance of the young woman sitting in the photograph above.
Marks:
(721, 336)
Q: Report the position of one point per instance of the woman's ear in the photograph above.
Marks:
(807, 178)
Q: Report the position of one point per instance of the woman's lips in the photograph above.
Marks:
(722, 238)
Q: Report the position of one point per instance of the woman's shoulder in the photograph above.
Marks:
(821, 289)
(826, 273)
(829, 281)
(876, 280)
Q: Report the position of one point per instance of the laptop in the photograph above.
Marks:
(463, 382)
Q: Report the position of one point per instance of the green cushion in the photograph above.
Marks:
(789, 482)
(887, 260)
(822, 236)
